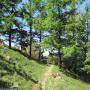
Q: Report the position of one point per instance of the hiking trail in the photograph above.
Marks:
(46, 75)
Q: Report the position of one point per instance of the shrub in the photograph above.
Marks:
(87, 63)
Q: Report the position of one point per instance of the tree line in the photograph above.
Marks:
(52, 24)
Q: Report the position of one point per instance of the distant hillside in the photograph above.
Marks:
(17, 71)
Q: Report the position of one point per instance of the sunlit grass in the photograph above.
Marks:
(66, 83)
(33, 70)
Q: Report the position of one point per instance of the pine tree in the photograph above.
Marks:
(39, 22)
(29, 7)
(87, 41)
(9, 8)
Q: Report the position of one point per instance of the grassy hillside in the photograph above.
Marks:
(16, 71)
(65, 82)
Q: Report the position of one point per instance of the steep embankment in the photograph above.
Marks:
(17, 71)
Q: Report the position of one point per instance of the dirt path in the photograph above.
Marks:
(45, 77)
(35, 87)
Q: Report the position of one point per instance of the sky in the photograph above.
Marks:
(24, 1)
(84, 4)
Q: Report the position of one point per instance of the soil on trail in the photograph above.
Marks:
(35, 87)
(45, 77)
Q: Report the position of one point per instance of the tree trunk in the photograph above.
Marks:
(10, 33)
(21, 41)
(30, 51)
(87, 30)
(40, 46)
(59, 60)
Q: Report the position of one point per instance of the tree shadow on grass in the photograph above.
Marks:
(80, 76)
(11, 68)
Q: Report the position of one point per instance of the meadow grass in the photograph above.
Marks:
(65, 83)
(19, 71)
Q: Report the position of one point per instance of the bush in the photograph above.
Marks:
(87, 63)
(73, 58)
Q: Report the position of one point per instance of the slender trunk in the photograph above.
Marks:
(10, 34)
(87, 31)
(21, 41)
(59, 60)
(30, 51)
(59, 38)
(40, 46)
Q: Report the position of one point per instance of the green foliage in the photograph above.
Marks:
(68, 51)
(47, 42)
(73, 58)
(6, 8)
(87, 63)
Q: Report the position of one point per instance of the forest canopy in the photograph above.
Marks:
(59, 26)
